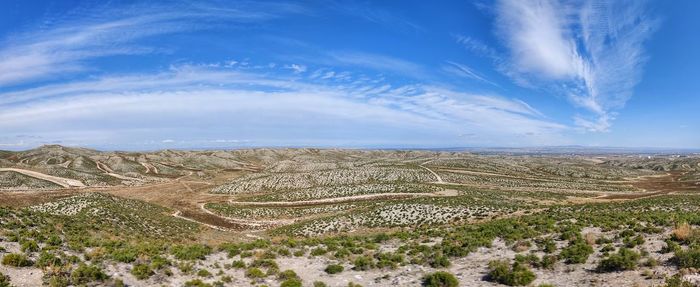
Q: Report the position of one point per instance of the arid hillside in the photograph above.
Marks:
(74, 216)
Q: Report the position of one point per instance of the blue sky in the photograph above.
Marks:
(142, 75)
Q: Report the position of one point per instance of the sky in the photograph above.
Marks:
(145, 75)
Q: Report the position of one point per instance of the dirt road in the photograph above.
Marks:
(355, 198)
(64, 182)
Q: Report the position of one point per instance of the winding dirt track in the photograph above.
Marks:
(345, 199)
(250, 222)
(108, 171)
(64, 182)
(437, 176)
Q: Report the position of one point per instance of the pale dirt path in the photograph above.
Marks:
(108, 171)
(64, 182)
(364, 197)
(439, 179)
(251, 222)
(149, 167)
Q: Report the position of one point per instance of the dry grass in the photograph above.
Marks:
(590, 238)
(682, 232)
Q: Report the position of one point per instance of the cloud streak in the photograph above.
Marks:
(591, 52)
(67, 45)
(253, 105)
(466, 72)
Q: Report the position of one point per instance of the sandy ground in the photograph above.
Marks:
(20, 277)
(469, 270)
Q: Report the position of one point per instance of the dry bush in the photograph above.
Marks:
(682, 232)
(590, 238)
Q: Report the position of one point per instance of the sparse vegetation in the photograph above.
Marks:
(535, 208)
(440, 279)
(16, 260)
(624, 259)
(334, 269)
(516, 275)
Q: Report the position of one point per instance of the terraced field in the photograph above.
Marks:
(374, 218)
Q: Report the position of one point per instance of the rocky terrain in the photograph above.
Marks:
(326, 217)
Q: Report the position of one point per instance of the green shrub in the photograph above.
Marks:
(320, 284)
(631, 242)
(287, 274)
(231, 249)
(54, 240)
(576, 252)
(363, 263)
(196, 283)
(677, 281)
(4, 280)
(530, 259)
(141, 271)
(687, 258)
(291, 283)
(87, 273)
(624, 259)
(440, 261)
(158, 262)
(254, 272)
(334, 269)
(47, 259)
(191, 252)
(16, 260)
(186, 267)
(517, 275)
(203, 273)
(59, 281)
(240, 264)
(547, 245)
(547, 261)
(265, 263)
(607, 248)
(124, 255)
(440, 279)
(29, 246)
(318, 251)
(284, 252)
(342, 253)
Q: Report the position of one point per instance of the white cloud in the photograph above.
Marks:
(65, 46)
(377, 15)
(465, 71)
(198, 100)
(591, 52)
(378, 62)
(298, 69)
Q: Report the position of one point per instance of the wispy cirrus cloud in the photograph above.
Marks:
(67, 44)
(465, 71)
(591, 52)
(279, 108)
(377, 15)
(377, 62)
